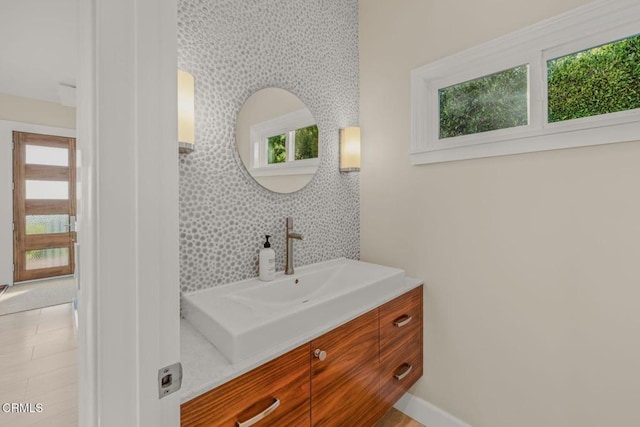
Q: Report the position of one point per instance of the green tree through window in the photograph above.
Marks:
(277, 149)
(306, 143)
(496, 101)
(601, 80)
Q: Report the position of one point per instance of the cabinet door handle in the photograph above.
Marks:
(260, 416)
(320, 354)
(405, 373)
(402, 320)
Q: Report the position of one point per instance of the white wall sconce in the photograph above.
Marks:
(186, 112)
(350, 149)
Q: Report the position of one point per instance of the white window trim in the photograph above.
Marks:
(286, 123)
(564, 34)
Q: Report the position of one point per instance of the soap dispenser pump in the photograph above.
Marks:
(267, 262)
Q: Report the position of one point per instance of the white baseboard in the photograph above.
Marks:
(427, 413)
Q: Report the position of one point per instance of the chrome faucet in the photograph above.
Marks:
(288, 268)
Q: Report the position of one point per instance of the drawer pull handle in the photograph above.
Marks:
(402, 320)
(405, 373)
(260, 416)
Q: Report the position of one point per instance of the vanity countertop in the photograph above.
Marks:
(205, 368)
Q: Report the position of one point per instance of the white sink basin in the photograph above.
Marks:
(248, 317)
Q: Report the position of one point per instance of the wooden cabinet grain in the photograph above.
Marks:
(345, 385)
(400, 347)
(285, 378)
(367, 365)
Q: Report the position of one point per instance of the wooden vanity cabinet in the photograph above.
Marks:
(345, 385)
(350, 376)
(400, 347)
(285, 378)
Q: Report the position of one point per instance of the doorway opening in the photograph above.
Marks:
(44, 212)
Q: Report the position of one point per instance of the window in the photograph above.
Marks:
(277, 149)
(557, 84)
(497, 101)
(600, 80)
(302, 143)
(286, 145)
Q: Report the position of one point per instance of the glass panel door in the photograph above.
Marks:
(44, 205)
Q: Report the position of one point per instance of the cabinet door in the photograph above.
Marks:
(285, 380)
(345, 385)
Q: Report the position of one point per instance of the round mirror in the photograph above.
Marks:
(277, 140)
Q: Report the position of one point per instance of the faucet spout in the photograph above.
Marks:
(288, 268)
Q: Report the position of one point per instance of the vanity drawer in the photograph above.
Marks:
(401, 322)
(399, 370)
(285, 378)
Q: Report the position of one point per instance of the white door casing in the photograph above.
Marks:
(128, 215)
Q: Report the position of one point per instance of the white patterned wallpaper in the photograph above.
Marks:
(234, 48)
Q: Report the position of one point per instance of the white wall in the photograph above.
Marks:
(26, 115)
(28, 110)
(530, 261)
(6, 205)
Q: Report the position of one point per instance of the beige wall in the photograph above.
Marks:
(27, 110)
(530, 261)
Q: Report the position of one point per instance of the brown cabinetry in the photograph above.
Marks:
(350, 376)
(400, 347)
(284, 380)
(345, 385)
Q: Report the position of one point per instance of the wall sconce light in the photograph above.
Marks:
(350, 149)
(186, 112)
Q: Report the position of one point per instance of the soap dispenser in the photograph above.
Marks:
(267, 263)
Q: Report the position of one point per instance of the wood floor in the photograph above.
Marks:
(39, 366)
(395, 418)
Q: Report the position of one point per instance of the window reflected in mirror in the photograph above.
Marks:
(278, 140)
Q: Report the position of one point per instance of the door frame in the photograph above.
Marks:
(6, 206)
(129, 324)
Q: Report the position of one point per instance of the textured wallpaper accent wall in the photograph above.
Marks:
(234, 48)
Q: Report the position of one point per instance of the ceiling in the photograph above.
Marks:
(38, 47)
